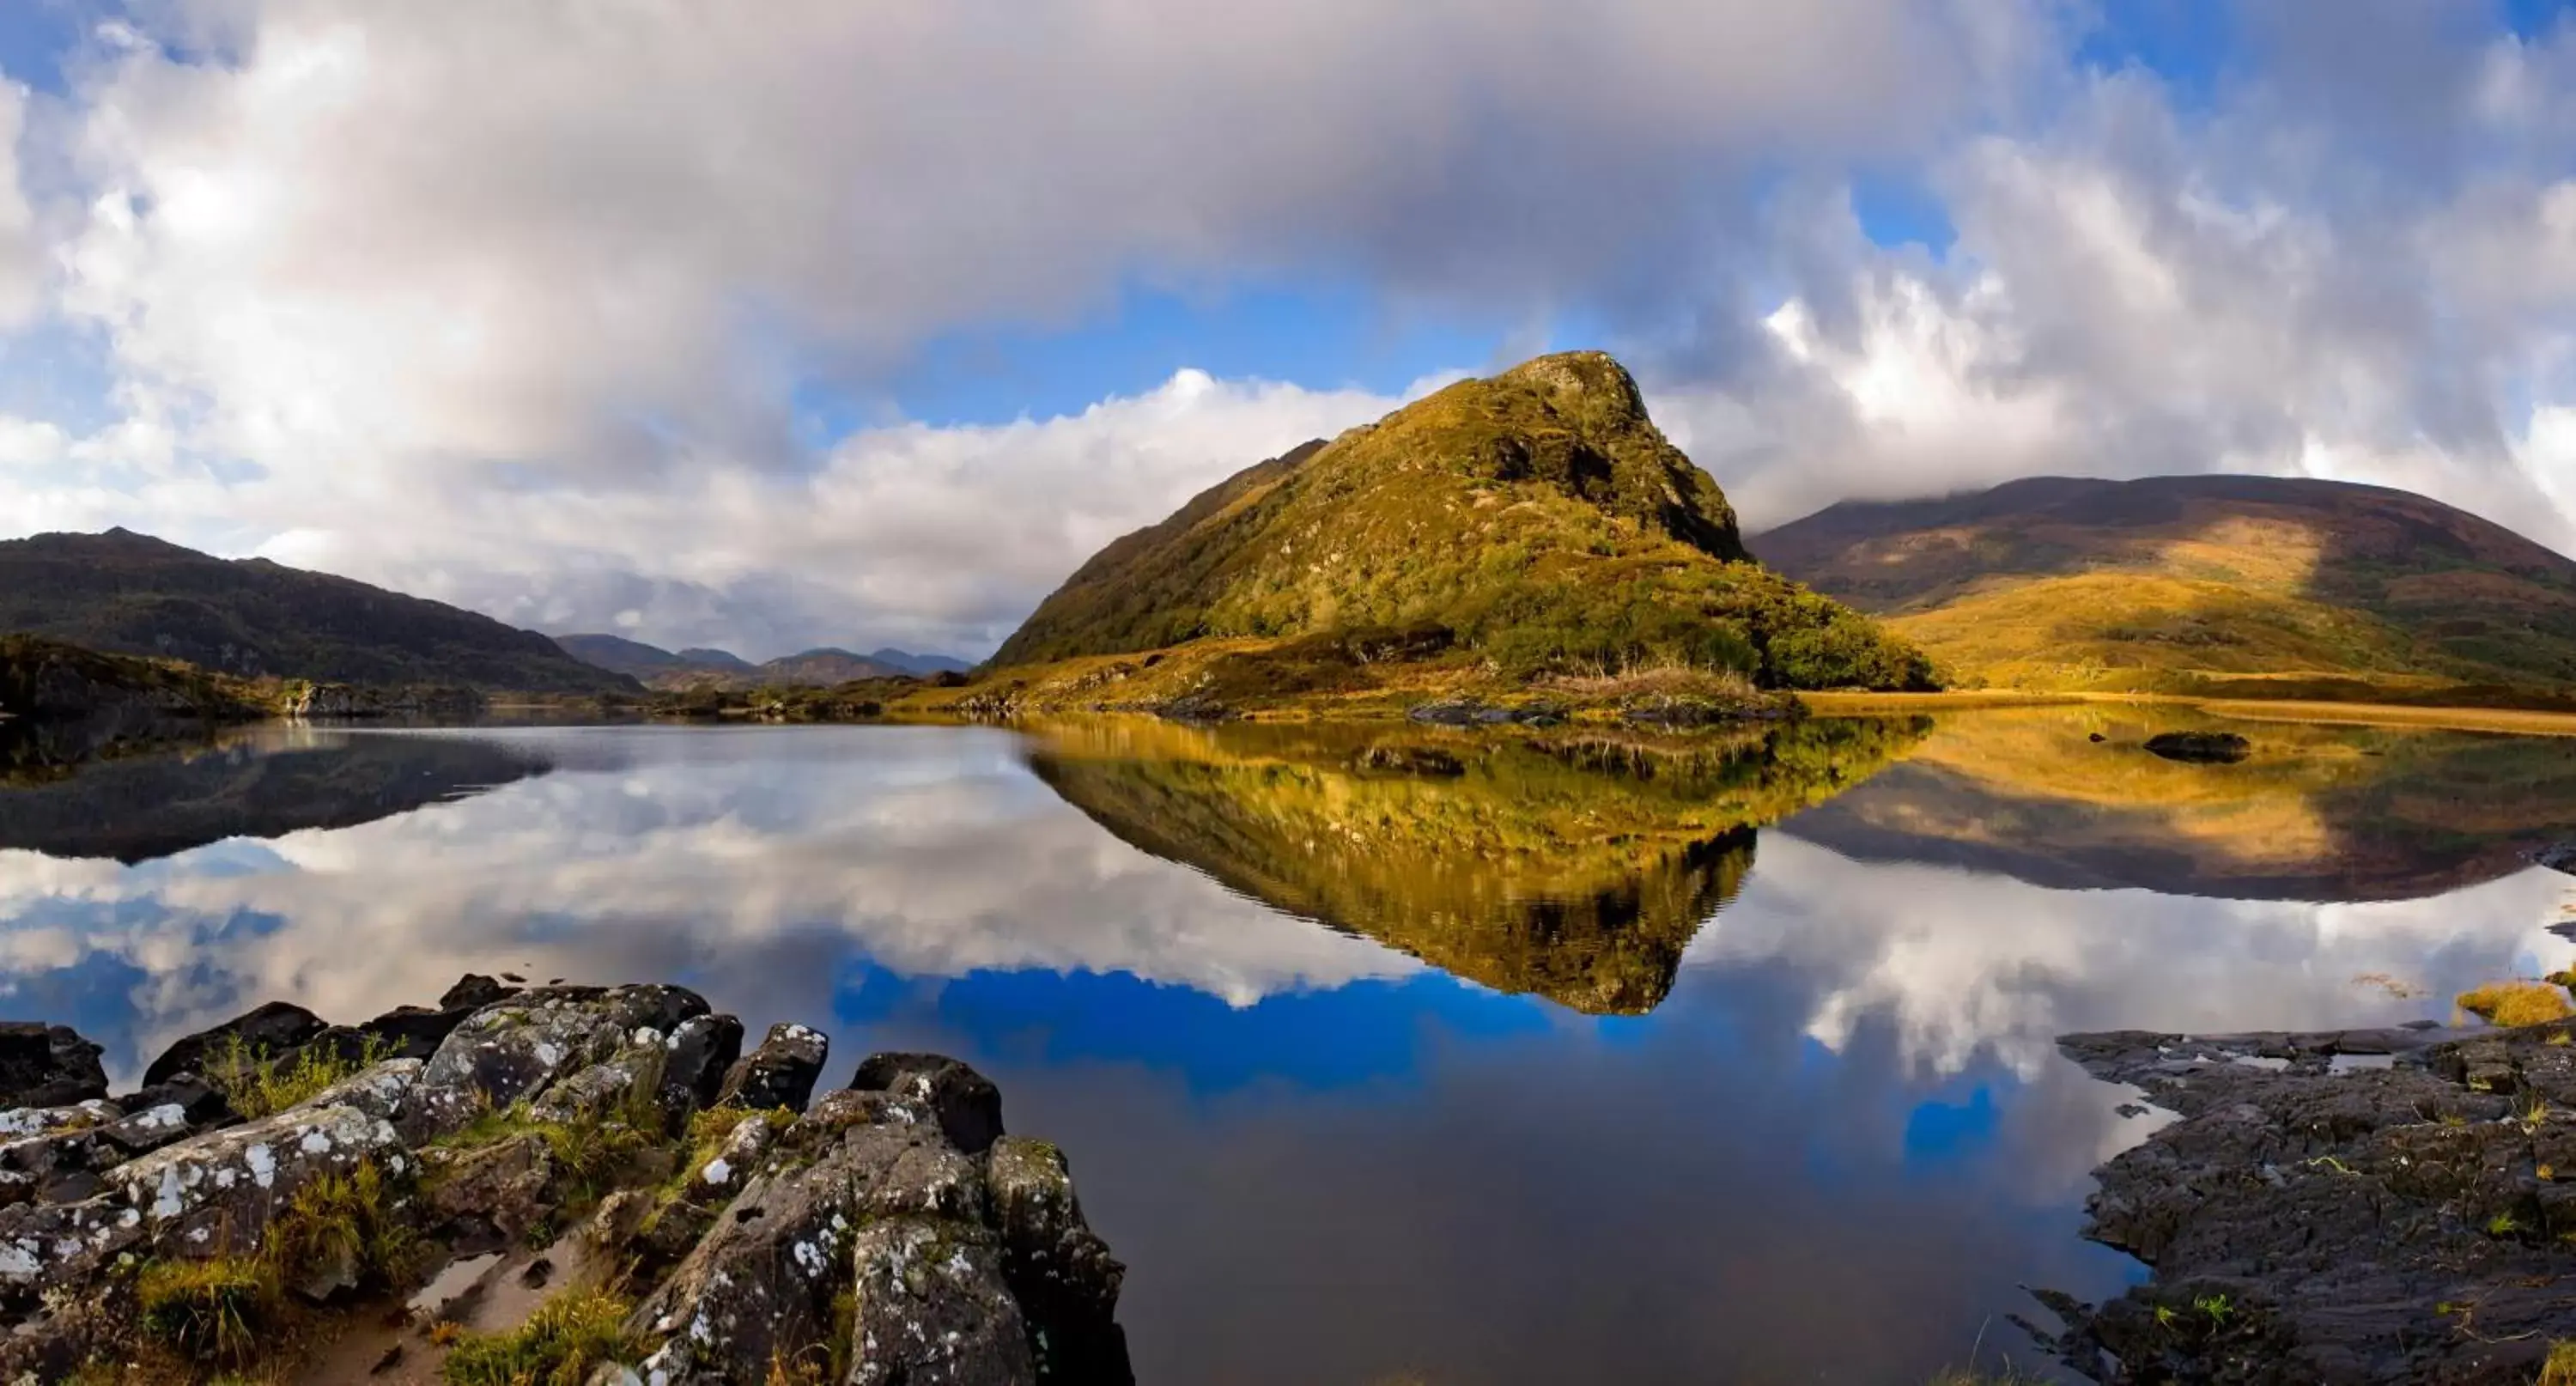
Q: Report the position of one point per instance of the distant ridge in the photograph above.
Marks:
(822, 667)
(2234, 584)
(128, 593)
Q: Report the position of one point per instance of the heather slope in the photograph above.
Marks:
(2229, 584)
(1538, 518)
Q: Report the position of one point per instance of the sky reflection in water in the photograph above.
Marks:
(1519, 1061)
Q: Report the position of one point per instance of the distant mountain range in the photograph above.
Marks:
(127, 593)
(2202, 584)
(820, 668)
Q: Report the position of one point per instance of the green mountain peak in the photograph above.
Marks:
(1537, 515)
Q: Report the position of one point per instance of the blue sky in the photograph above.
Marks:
(863, 327)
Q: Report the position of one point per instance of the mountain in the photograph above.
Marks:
(2214, 584)
(659, 668)
(127, 593)
(920, 666)
(1538, 519)
(715, 659)
(632, 658)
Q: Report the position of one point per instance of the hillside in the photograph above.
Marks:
(2211, 584)
(1537, 520)
(816, 668)
(127, 593)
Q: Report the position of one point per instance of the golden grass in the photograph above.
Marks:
(2560, 1369)
(2512, 1005)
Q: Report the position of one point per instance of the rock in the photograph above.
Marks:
(415, 1032)
(760, 1285)
(1470, 712)
(148, 1129)
(1062, 1274)
(780, 1073)
(203, 1105)
(967, 1104)
(273, 1030)
(47, 1066)
(2202, 748)
(213, 1193)
(515, 1048)
(697, 1058)
(489, 1198)
(473, 991)
(2557, 856)
(2339, 1214)
(931, 1306)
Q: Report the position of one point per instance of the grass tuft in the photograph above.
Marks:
(215, 1311)
(559, 1345)
(258, 1084)
(2512, 1005)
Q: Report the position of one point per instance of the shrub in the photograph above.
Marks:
(2516, 1004)
(258, 1084)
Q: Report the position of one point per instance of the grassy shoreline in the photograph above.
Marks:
(2515, 720)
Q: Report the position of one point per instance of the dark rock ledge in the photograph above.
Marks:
(687, 1213)
(2363, 1206)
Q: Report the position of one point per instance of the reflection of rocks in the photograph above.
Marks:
(2397, 1223)
(1572, 864)
(265, 783)
(2200, 748)
(2327, 813)
(862, 1233)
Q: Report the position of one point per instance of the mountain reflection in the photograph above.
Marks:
(1575, 864)
(2320, 813)
(259, 782)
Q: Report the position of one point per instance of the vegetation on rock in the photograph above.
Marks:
(2221, 586)
(2515, 1004)
(1536, 521)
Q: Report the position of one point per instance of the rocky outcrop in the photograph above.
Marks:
(274, 1030)
(47, 1066)
(2363, 1206)
(888, 1232)
(345, 700)
(780, 1073)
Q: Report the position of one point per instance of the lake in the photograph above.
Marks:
(1386, 1054)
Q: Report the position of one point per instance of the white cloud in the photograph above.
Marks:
(524, 306)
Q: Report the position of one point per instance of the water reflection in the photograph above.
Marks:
(1573, 864)
(2319, 813)
(1405, 1142)
(260, 781)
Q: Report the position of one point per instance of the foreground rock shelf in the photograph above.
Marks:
(2361, 1206)
(564, 1184)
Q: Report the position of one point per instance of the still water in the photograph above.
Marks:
(1385, 1055)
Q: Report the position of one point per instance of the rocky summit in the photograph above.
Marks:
(561, 1184)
